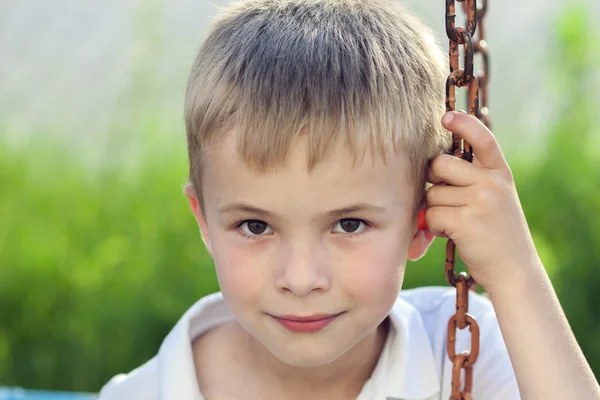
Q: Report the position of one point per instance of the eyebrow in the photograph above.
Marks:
(358, 207)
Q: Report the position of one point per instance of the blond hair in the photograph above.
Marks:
(361, 72)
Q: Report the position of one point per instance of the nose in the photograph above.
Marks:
(302, 270)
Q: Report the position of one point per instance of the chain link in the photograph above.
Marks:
(480, 47)
(465, 77)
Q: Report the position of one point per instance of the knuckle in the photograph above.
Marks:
(500, 183)
(467, 215)
(485, 197)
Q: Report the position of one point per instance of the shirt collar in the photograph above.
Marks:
(408, 368)
(405, 370)
(176, 370)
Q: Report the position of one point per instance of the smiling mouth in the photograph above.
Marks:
(307, 324)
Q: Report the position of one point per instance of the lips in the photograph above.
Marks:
(306, 324)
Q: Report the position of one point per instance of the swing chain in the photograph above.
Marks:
(464, 78)
(480, 47)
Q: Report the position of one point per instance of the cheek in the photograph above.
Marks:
(372, 272)
(241, 269)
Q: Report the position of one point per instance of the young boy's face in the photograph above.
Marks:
(292, 243)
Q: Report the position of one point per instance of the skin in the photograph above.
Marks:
(477, 206)
(305, 265)
(308, 259)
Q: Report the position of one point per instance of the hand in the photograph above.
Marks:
(477, 206)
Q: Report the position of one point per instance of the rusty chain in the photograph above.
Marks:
(465, 77)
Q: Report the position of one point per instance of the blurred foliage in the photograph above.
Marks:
(97, 266)
(561, 194)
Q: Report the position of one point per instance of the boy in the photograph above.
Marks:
(310, 126)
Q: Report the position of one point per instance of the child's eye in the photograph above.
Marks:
(350, 225)
(255, 228)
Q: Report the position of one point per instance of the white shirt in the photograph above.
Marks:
(413, 365)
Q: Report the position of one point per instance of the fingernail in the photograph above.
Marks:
(448, 117)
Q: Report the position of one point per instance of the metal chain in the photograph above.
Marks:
(480, 47)
(464, 78)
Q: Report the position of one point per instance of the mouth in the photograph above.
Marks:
(312, 323)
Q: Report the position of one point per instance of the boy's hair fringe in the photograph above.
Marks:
(364, 73)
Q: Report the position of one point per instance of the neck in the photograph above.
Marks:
(343, 378)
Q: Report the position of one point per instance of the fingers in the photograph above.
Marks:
(448, 196)
(438, 219)
(478, 136)
(452, 170)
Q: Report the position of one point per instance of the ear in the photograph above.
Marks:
(419, 244)
(190, 193)
(421, 239)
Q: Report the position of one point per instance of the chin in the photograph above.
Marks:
(303, 358)
(308, 352)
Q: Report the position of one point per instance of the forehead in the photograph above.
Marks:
(333, 181)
